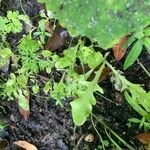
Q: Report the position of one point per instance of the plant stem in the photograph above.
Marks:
(116, 135)
(142, 66)
(97, 132)
(117, 146)
(22, 8)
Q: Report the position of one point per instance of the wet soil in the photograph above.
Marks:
(50, 127)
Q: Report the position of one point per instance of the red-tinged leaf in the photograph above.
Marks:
(24, 110)
(119, 50)
(24, 113)
(25, 145)
(106, 71)
(144, 138)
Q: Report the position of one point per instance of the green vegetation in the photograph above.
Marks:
(102, 21)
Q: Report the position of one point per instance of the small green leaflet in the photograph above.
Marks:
(59, 93)
(5, 53)
(69, 58)
(133, 54)
(86, 53)
(22, 80)
(23, 101)
(35, 89)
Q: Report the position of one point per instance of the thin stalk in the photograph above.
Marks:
(117, 146)
(142, 66)
(97, 132)
(106, 98)
(22, 8)
(116, 135)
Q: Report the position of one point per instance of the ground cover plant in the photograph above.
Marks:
(87, 60)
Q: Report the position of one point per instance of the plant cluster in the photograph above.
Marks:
(105, 24)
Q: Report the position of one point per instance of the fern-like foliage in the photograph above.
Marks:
(28, 54)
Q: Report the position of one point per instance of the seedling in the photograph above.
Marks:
(41, 32)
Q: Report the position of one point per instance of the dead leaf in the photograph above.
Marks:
(89, 138)
(25, 113)
(49, 26)
(57, 40)
(25, 145)
(118, 49)
(144, 138)
(106, 71)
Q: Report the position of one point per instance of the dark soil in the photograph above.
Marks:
(50, 127)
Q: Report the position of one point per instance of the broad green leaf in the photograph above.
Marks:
(130, 40)
(139, 34)
(100, 20)
(133, 54)
(25, 18)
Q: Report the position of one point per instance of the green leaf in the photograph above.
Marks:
(28, 46)
(2, 23)
(47, 87)
(100, 20)
(134, 95)
(85, 54)
(69, 58)
(59, 92)
(29, 58)
(82, 106)
(130, 40)
(48, 69)
(134, 120)
(133, 54)
(5, 53)
(35, 89)
(22, 80)
(23, 102)
(46, 53)
(147, 43)
(13, 23)
(139, 35)
(147, 31)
